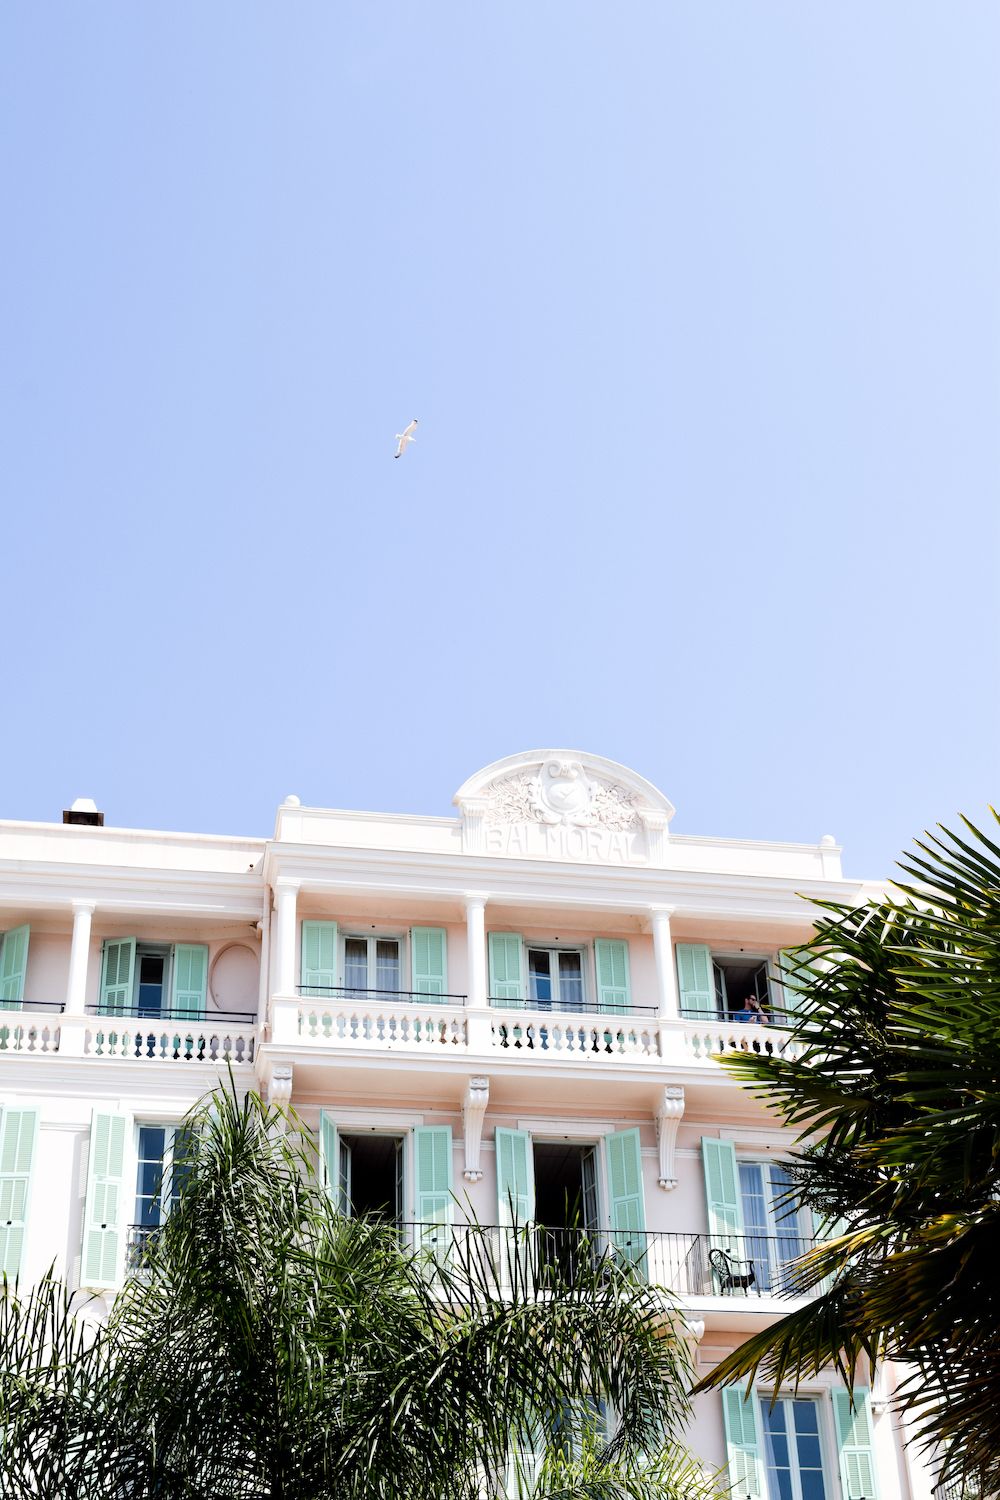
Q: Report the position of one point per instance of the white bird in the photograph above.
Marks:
(403, 438)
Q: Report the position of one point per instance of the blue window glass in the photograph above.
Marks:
(792, 1455)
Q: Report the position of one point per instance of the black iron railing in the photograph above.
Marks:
(571, 1008)
(214, 1018)
(139, 1238)
(352, 992)
(691, 1265)
(769, 1017)
(33, 1005)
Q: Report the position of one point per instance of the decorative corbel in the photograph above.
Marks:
(279, 1089)
(668, 1117)
(477, 1096)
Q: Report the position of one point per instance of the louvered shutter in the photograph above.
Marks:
(506, 984)
(18, 1134)
(432, 1195)
(329, 1159)
(515, 1176)
(625, 1195)
(746, 1471)
(189, 986)
(722, 1190)
(611, 963)
(428, 961)
(855, 1443)
(104, 1216)
(13, 965)
(695, 980)
(794, 984)
(319, 958)
(117, 973)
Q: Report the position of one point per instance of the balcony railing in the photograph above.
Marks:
(380, 1020)
(187, 1017)
(696, 1266)
(33, 1027)
(215, 1039)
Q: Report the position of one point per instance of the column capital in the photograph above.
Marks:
(475, 898)
(84, 905)
(287, 884)
(660, 910)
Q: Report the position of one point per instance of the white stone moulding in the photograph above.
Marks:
(668, 1118)
(477, 1097)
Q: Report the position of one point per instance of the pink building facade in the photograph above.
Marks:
(513, 1012)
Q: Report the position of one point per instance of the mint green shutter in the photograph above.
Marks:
(611, 963)
(746, 1472)
(625, 1196)
(428, 961)
(793, 983)
(515, 1176)
(329, 1159)
(319, 958)
(104, 1215)
(695, 980)
(117, 973)
(432, 1173)
(189, 987)
(18, 1133)
(722, 1190)
(855, 1443)
(13, 964)
(506, 984)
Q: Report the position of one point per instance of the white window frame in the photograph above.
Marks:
(822, 1398)
(586, 1142)
(371, 938)
(586, 986)
(407, 1208)
(765, 961)
(170, 1127)
(153, 950)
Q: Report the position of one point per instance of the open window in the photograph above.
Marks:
(159, 1181)
(566, 1201)
(742, 988)
(370, 1169)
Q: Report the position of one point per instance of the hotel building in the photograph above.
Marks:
(515, 1011)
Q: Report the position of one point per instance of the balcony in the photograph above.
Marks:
(33, 1029)
(171, 1036)
(745, 1270)
(377, 1021)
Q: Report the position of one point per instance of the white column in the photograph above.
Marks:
(479, 1031)
(666, 974)
(285, 895)
(79, 955)
(475, 948)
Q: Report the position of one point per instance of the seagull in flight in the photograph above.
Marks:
(404, 438)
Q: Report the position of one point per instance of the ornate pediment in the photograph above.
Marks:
(563, 804)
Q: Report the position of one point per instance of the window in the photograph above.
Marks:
(741, 985)
(773, 1231)
(159, 1147)
(370, 1169)
(151, 980)
(793, 1459)
(372, 963)
(555, 978)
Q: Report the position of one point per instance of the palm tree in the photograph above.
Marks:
(893, 1078)
(270, 1349)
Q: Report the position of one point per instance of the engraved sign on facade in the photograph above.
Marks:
(565, 806)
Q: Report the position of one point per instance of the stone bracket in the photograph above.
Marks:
(668, 1117)
(477, 1097)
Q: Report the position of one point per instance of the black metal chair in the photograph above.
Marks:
(732, 1274)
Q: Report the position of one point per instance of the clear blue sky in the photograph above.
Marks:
(699, 308)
